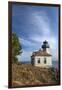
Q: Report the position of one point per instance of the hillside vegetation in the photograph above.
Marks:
(26, 74)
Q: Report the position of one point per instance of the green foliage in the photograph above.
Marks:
(14, 60)
(16, 47)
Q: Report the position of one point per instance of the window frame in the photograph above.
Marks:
(45, 60)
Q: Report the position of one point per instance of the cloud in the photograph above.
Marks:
(41, 23)
(25, 56)
(28, 45)
(34, 32)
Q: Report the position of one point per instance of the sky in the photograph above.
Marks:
(33, 25)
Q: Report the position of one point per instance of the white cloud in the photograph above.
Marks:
(42, 22)
(25, 56)
(43, 31)
(26, 42)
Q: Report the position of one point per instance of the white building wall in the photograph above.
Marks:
(42, 64)
(47, 50)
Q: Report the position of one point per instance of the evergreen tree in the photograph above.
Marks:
(16, 48)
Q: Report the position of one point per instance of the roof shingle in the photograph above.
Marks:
(41, 53)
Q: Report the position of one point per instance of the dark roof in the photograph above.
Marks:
(41, 53)
(45, 44)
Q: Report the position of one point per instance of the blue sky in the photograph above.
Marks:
(33, 25)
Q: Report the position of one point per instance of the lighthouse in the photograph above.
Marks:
(42, 57)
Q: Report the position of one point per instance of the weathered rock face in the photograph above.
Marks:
(26, 74)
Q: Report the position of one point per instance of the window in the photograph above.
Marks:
(44, 60)
(39, 60)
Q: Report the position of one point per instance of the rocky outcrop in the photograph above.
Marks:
(26, 74)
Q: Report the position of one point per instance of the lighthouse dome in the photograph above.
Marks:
(45, 44)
